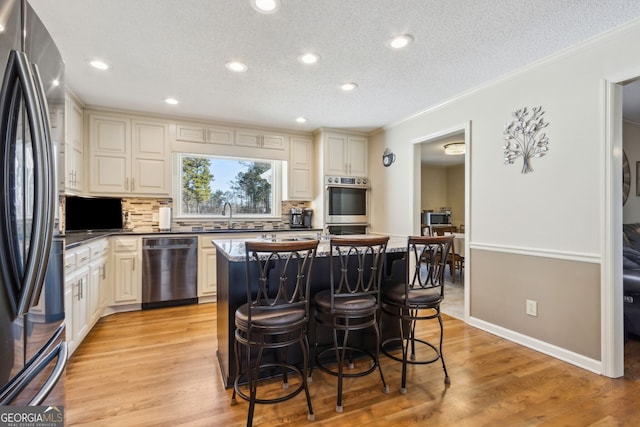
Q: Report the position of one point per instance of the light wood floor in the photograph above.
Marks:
(158, 368)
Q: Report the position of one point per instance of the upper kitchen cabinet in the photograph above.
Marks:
(250, 138)
(344, 154)
(300, 169)
(128, 155)
(73, 146)
(205, 134)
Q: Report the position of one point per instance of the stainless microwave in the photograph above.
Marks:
(436, 218)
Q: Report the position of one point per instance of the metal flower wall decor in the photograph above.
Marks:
(522, 137)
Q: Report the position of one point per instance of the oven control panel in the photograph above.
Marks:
(346, 181)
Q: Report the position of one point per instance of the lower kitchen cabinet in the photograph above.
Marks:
(76, 296)
(207, 283)
(127, 271)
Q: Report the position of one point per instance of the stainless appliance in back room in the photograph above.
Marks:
(33, 350)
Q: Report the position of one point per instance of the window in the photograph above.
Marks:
(207, 183)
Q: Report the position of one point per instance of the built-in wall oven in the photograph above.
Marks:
(346, 205)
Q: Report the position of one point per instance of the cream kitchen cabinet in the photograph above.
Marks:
(207, 281)
(345, 154)
(300, 169)
(98, 279)
(76, 295)
(127, 278)
(128, 155)
(73, 146)
(257, 139)
(205, 134)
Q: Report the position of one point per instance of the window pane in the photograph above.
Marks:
(210, 182)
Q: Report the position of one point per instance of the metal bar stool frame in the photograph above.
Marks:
(351, 304)
(275, 316)
(417, 298)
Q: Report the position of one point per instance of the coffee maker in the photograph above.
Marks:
(307, 215)
(296, 218)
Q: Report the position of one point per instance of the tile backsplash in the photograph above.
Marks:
(139, 216)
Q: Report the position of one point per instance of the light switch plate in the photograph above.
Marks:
(532, 307)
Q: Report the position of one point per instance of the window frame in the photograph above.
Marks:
(276, 188)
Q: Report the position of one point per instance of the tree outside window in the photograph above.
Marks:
(208, 182)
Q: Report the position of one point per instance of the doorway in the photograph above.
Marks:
(442, 183)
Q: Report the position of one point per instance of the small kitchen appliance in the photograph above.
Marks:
(307, 216)
(296, 218)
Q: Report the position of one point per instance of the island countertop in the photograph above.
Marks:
(234, 249)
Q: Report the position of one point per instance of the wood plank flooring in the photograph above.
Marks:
(158, 368)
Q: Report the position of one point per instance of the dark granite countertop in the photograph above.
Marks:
(76, 238)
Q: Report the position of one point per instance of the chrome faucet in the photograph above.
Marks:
(224, 212)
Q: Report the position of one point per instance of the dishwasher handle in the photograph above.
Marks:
(169, 243)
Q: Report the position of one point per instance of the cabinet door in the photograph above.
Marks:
(301, 153)
(127, 286)
(109, 149)
(208, 273)
(335, 155)
(151, 173)
(357, 155)
(74, 146)
(219, 135)
(93, 291)
(80, 305)
(190, 133)
(300, 184)
(69, 292)
(273, 142)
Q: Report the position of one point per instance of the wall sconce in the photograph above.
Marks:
(455, 148)
(388, 157)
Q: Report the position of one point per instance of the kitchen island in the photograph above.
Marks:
(231, 293)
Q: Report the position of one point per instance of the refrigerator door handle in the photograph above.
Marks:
(18, 75)
(42, 360)
(48, 195)
(61, 351)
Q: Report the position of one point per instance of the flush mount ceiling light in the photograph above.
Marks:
(100, 65)
(455, 148)
(171, 101)
(348, 87)
(266, 6)
(236, 66)
(308, 58)
(398, 42)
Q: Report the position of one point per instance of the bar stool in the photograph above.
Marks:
(351, 304)
(275, 317)
(416, 298)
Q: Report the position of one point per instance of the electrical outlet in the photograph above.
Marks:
(155, 216)
(532, 308)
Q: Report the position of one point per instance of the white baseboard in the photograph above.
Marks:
(565, 355)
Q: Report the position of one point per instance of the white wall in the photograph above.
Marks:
(552, 214)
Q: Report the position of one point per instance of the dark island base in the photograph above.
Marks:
(231, 293)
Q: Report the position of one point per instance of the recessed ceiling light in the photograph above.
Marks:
(266, 6)
(1, 28)
(398, 42)
(171, 101)
(236, 66)
(301, 120)
(56, 82)
(348, 87)
(308, 58)
(100, 65)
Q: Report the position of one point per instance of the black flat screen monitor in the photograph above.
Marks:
(93, 213)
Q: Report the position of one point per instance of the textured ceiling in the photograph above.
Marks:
(178, 48)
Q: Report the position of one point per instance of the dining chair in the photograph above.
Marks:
(274, 318)
(351, 305)
(417, 298)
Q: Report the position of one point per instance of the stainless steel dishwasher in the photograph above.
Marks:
(169, 271)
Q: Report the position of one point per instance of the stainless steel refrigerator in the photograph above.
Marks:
(33, 350)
